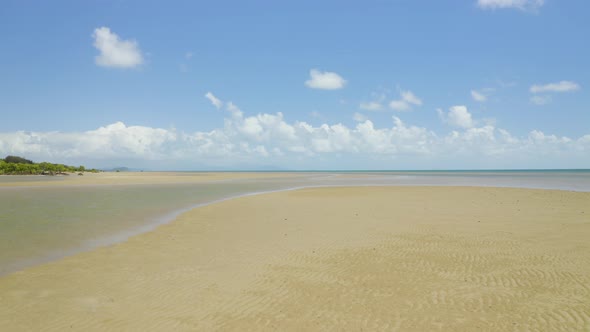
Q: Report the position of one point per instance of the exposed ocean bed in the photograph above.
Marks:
(44, 223)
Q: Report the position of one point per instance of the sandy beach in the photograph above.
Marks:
(321, 259)
(295, 166)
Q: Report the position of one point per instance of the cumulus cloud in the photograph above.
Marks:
(524, 5)
(540, 100)
(325, 80)
(112, 141)
(377, 102)
(115, 52)
(478, 96)
(411, 98)
(407, 99)
(214, 100)
(268, 139)
(562, 86)
(482, 95)
(458, 116)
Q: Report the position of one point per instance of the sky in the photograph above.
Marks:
(300, 85)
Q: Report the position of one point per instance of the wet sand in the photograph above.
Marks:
(131, 178)
(359, 258)
(44, 218)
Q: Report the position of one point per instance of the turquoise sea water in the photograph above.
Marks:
(39, 224)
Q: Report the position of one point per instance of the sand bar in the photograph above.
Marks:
(362, 258)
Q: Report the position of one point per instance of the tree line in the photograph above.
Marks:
(15, 165)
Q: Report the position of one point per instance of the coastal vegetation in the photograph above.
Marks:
(15, 165)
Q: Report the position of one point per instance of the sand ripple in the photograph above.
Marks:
(352, 259)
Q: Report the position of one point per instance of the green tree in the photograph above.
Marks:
(10, 168)
(19, 165)
(60, 168)
(35, 169)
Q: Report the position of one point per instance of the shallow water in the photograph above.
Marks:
(39, 224)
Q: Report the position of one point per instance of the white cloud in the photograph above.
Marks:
(478, 96)
(408, 98)
(359, 117)
(458, 116)
(524, 5)
(325, 80)
(268, 139)
(233, 109)
(399, 105)
(188, 55)
(113, 141)
(115, 52)
(377, 102)
(411, 98)
(563, 86)
(371, 106)
(482, 95)
(540, 100)
(214, 100)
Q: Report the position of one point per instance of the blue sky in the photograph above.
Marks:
(398, 84)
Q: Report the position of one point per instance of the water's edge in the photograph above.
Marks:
(169, 216)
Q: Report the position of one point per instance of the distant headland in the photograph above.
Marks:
(14, 165)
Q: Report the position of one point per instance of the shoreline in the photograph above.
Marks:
(172, 215)
(569, 180)
(166, 218)
(135, 178)
(250, 249)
